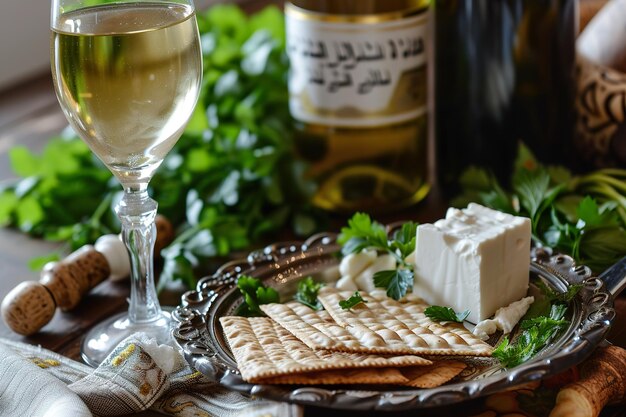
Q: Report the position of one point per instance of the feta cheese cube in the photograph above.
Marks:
(476, 258)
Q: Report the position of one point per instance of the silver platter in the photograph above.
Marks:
(281, 265)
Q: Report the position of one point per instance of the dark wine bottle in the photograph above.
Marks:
(504, 73)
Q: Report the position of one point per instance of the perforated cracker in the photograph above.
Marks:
(264, 349)
(316, 329)
(388, 326)
(434, 375)
(344, 376)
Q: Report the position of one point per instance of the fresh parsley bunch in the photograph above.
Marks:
(583, 216)
(363, 233)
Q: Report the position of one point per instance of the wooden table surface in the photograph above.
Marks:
(29, 115)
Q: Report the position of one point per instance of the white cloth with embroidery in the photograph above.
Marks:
(27, 390)
(138, 375)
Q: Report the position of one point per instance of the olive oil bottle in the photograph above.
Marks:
(357, 86)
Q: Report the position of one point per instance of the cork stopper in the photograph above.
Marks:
(27, 308)
(31, 305)
(70, 279)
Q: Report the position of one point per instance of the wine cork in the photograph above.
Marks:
(70, 279)
(27, 308)
(31, 305)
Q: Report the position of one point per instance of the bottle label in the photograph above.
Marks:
(356, 71)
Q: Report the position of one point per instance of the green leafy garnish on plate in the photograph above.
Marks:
(537, 333)
(354, 300)
(439, 313)
(307, 293)
(364, 233)
(553, 295)
(548, 297)
(254, 294)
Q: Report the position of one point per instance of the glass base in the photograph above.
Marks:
(106, 335)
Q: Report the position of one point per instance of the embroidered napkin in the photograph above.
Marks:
(138, 375)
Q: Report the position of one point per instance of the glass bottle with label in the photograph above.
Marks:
(358, 97)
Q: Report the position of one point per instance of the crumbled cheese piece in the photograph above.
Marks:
(485, 328)
(346, 283)
(476, 258)
(365, 280)
(505, 318)
(358, 269)
(355, 263)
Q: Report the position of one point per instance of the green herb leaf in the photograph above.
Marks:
(553, 295)
(8, 202)
(404, 239)
(397, 282)
(36, 264)
(589, 212)
(439, 313)
(307, 293)
(362, 233)
(532, 187)
(354, 300)
(23, 162)
(537, 333)
(254, 294)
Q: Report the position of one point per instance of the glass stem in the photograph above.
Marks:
(137, 212)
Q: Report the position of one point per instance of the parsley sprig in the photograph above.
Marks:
(537, 333)
(363, 233)
(352, 301)
(254, 294)
(307, 293)
(439, 313)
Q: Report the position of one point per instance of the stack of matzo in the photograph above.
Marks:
(376, 342)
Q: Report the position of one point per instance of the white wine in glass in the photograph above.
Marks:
(128, 75)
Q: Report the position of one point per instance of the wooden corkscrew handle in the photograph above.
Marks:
(602, 382)
(31, 305)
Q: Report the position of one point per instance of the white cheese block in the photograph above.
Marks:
(476, 258)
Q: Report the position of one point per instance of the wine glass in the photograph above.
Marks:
(127, 74)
